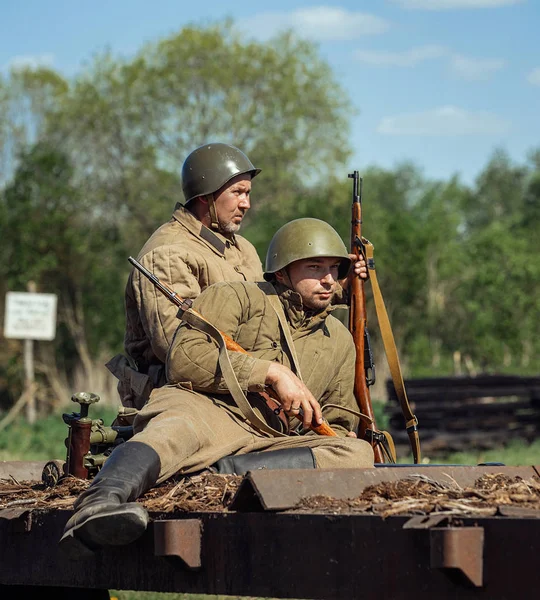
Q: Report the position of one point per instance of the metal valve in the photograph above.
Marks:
(85, 399)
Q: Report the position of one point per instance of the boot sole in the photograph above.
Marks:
(114, 527)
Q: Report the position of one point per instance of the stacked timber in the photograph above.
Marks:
(468, 413)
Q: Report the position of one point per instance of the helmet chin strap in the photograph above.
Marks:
(286, 278)
(214, 223)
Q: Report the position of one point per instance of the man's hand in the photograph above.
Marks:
(359, 269)
(293, 394)
(359, 266)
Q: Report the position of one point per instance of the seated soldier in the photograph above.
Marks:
(212, 406)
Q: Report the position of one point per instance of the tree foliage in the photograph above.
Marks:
(91, 166)
(128, 125)
(27, 97)
(48, 238)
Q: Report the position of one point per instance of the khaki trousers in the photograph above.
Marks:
(190, 432)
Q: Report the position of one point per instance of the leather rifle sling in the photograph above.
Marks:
(228, 373)
(392, 354)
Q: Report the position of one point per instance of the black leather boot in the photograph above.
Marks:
(105, 513)
(289, 458)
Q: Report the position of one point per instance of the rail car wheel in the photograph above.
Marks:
(52, 472)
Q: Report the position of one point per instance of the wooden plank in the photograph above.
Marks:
(461, 407)
(461, 413)
(446, 389)
(442, 443)
(449, 423)
(22, 470)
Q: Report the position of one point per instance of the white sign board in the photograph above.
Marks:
(30, 316)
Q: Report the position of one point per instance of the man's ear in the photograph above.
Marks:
(279, 276)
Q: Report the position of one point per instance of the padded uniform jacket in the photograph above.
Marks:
(323, 345)
(187, 257)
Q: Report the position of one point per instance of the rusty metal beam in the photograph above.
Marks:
(295, 555)
(181, 539)
(274, 490)
(285, 555)
(460, 549)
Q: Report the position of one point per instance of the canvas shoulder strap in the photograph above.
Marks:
(275, 303)
(390, 349)
(191, 317)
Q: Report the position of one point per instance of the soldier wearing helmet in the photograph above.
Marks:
(305, 239)
(197, 247)
(213, 415)
(211, 175)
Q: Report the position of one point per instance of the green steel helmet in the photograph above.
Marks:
(305, 238)
(210, 166)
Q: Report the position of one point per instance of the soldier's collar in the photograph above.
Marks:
(296, 312)
(214, 238)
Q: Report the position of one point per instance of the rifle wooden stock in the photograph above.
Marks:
(358, 325)
(322, 429)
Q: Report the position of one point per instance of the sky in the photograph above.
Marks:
(440, 83)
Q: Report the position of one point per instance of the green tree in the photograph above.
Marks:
(53, 236)
(501, 295)
(27, 97)
(128, 125)
(105, 170)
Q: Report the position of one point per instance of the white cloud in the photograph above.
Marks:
(475, 69)
(409, 58)
(30, 61)
(444, 121)
(454, 4)
(534, 76)
(472, 69)
(319, 23)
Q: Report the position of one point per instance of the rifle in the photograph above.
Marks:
(381, 441)
(185, 305)
(364, 371)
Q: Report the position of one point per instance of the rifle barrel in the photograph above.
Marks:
(358, 322)
(171, 294)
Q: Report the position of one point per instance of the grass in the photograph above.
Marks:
(44, 440)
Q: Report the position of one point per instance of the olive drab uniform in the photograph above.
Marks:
(207, 414)
(193, 421)
(188, 257)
